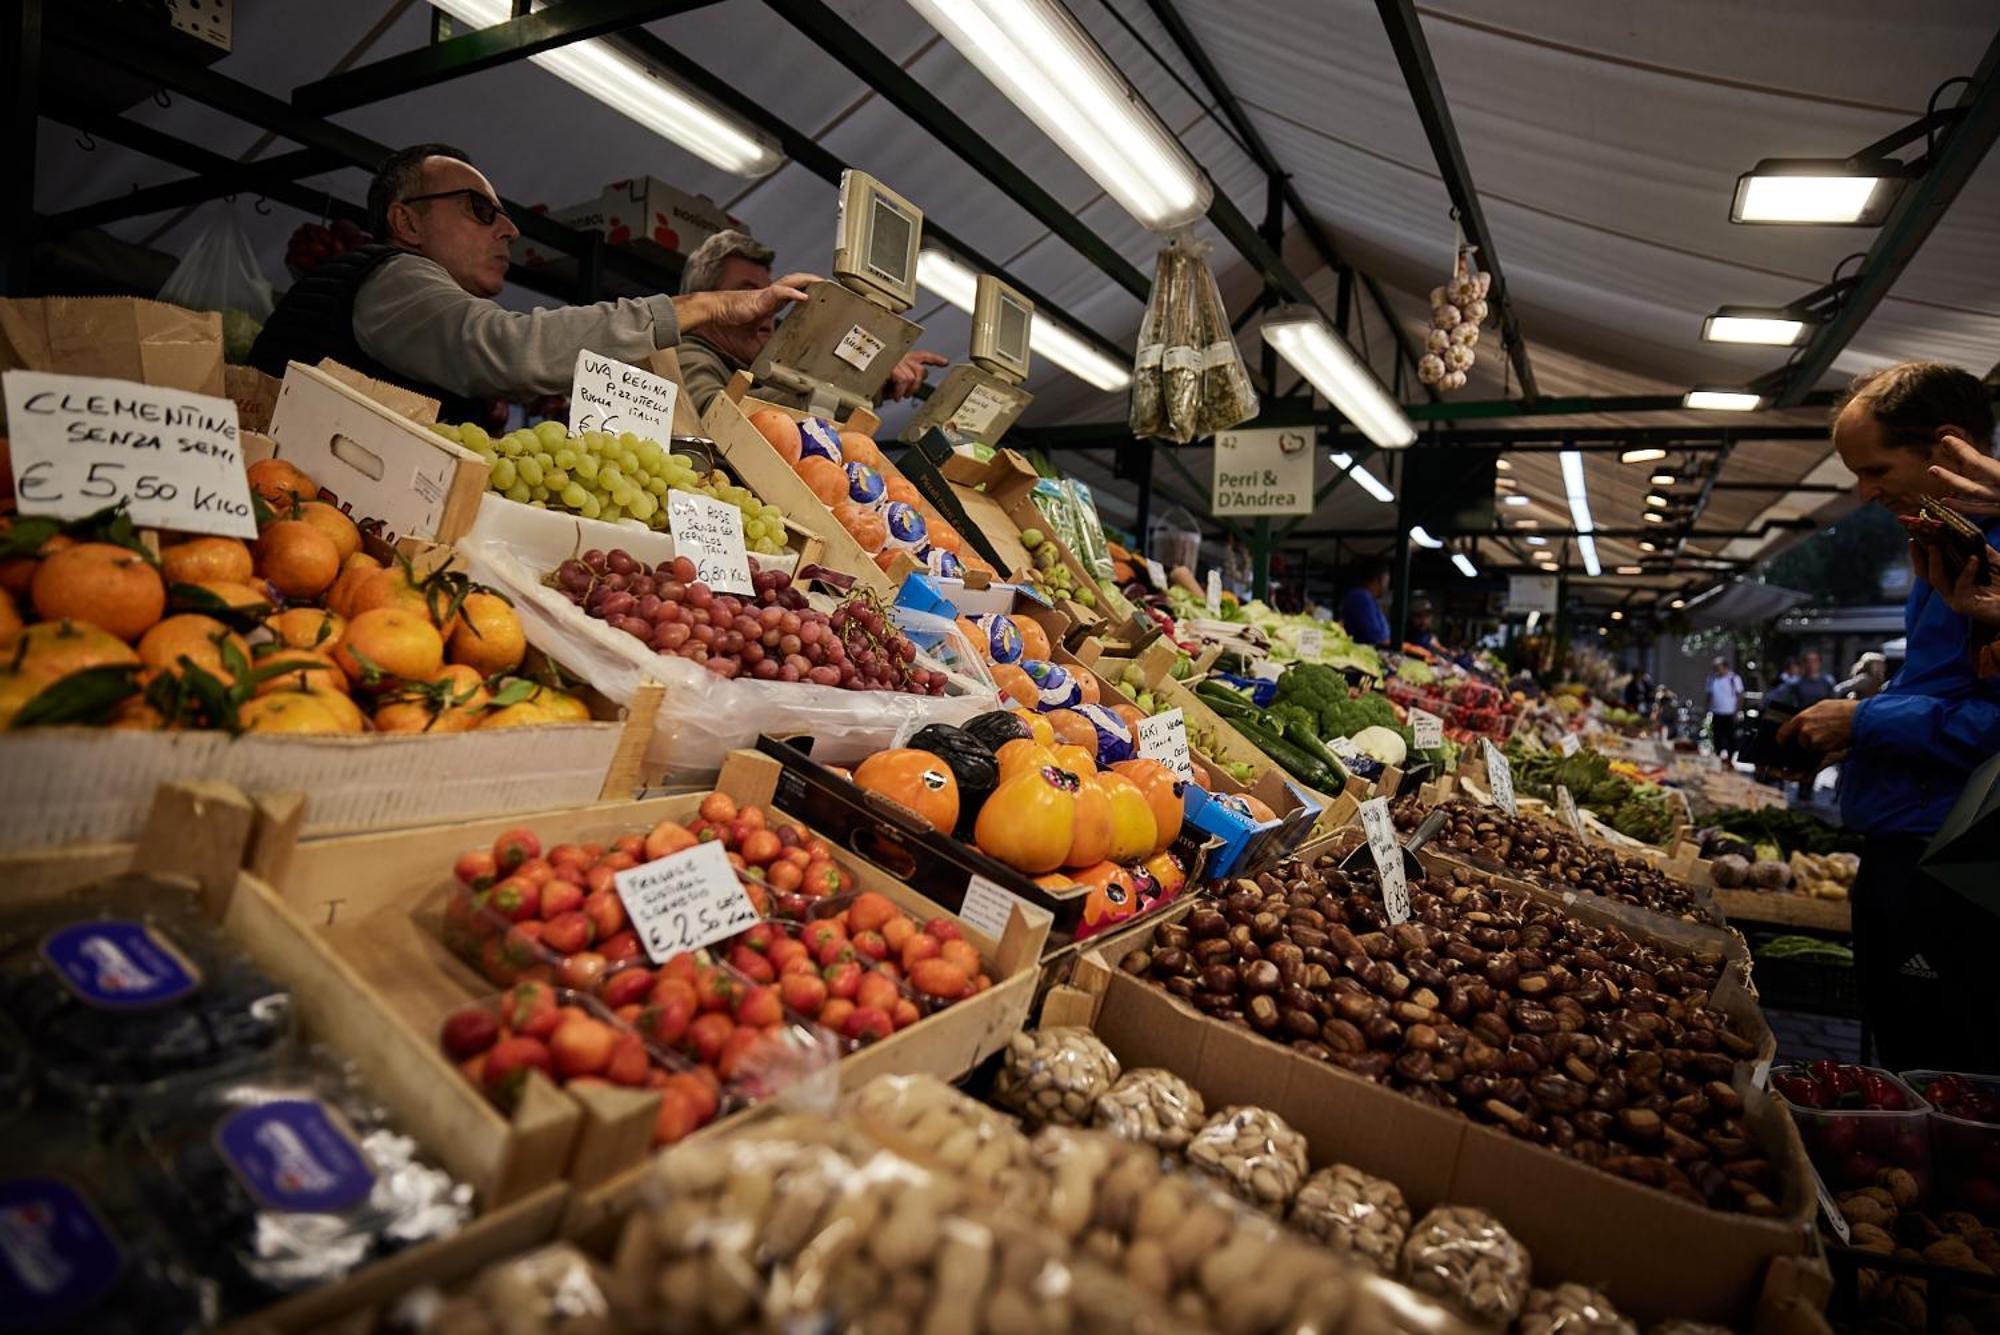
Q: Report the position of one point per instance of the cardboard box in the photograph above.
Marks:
(585, 217)
(123, 338)
(647, 211)
(388, 473)
(378, 900)
(1654, 1254)
(765, 472)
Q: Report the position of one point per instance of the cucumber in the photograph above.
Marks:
(1299, 764)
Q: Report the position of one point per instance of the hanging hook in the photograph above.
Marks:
(262, 207)
(85, 142)
(162, 100)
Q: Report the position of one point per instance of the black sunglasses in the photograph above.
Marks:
(484, 211)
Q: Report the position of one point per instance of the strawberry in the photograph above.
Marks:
(530, 1010)
(469, 1032)
(508, 1063)
(760, 1008)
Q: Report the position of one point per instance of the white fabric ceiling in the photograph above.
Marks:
(1604, 139)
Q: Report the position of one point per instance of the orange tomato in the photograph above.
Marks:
(1091, 839)
(915, 779)
(780, 430)
(111, 587)
(1113, 894)
(826, 478)
(1014, 684)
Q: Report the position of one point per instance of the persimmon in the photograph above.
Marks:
(855, 448)
(1015, 684)
(826, 478)
(864, 525)
(780, 430)
(111, 587)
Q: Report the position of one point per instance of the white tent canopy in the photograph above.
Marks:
(1604, 140)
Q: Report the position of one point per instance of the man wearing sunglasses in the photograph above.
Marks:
(416, 309)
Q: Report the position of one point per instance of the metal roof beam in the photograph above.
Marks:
(1962, 146)
(1413, 53)
(476, 50)
(896, 86)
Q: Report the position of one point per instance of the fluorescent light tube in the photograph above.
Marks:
(1663, 479)
(1587, 546)
(1827, 191)
(1367, 481)
(944, 275)
(1514, 500)
(1538, 542)
(1617, 615)
(1645, 456)
(1631, 570)
(647, 95)
(1534, 620)
(1654, 517)
(1465, 566)
(1657, 500)
(1722, 400)
(1749, 324)
(1053, 70)
(1579, 495)
(1312, 349)
(1423, 539)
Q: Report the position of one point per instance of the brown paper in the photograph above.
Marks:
(403, 402)
(123, 338)
(255, 393)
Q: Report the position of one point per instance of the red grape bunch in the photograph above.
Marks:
(773, 635)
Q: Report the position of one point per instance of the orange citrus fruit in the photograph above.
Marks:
(307, 628)
(198, 559)
(488, 636)
(462, 700)
(305, 669)
(290, 712)
(107, 585)
(18, 572)
(297, 558)
(329, 520)
(10, 617)
(196, 638)
(246, 597)
(52, 649)
(281, 483)
(389, 642)
(353, 571)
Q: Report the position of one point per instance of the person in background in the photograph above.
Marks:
(1788, 675)
(734, 261)
(1361, 609)
(417, 308)
(1921, 949)
(1725, 697)
(1639, 693)
(1421, 634)
(1811, 684)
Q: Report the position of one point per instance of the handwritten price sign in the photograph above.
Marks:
(684, 901)
(1500, 777)
(710, 533)
(1163, 737)
(1388, 855)
(81, 444)
(606, 394)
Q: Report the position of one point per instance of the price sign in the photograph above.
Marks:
(858, 348)
(710, 532)
(1268, 671)
(1157, 573)
(1345, 748)
(606, 394)
(988, 906)
(1215, 593)
(1163, 737)
(1569, 744)
(1311, 644)
(684, 901)
(82, 444)
(1428, 730)
(1566, 805)
(982, 406)
(1834, 1217)
(1388, 855)
(1500, 777)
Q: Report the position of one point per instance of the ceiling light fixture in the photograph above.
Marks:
(1644, 456)
(1678, 603)
(1631, 570)
(1654, 517)
(1648, 547)
(1657, 501)
(1663, 479)
(1423, 539)
(1366, 480)
(1050, 67)
(1503, 465)
(1579, 509)
(1586, 547)
(1836, 192)
(647, 95)
(1514, 500)
(948, 277)
(1538, 542)
(1722, 400)
(1767, 326)
(1617, 615)
(1315, 351)
(1465, 566)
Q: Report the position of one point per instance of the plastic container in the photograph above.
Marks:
(1853, 1147)
(280, 1179)
(1965, 1153)
(127, 985)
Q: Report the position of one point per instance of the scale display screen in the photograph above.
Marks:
(1012, 337)
(891, 240)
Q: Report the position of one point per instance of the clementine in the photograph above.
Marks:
(195, 639)
(49, 650)
(329, 520)
(289, 712)
(10, 617)
(307, 628)
(198, 559)
(281, 483)
(304, 669)
(389, 644)
(488, 637)
(104, 584)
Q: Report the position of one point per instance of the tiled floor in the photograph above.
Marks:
(1803, 1037)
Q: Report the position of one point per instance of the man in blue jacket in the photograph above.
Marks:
(1361, 610)
(1923, 952)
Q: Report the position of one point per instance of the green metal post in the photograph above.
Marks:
(1260, 559)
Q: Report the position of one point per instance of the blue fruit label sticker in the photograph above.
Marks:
(905, 524)
(1003, 637)
(943, 564)
(865, 486)
(56, 1255)
(119, 964)
(819, 436)
(292, 1155)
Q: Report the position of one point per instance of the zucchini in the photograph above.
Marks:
(1310, 743)
(1299, 764)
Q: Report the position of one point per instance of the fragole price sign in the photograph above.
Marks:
(684, 901)
(81, 444)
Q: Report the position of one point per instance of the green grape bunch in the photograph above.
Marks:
(600, 475)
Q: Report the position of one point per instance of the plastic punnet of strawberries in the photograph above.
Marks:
(1827, 1084)
(1959, 1097)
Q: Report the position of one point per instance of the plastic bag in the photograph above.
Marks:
(1055, 1075)
(127, 985)
(1188, 376)
(1354, 1214)
(1152, 1107)
(287, 1177)
(1572, 1309)
(924, 1118)
(703, 717)
(1255, 1153)
(220, 273)
(553, 1290)
(1465, 1257)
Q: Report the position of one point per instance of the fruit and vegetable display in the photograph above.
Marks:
(867, 495)
(1471, 708)
(1546, 854)
(1807, 950)
(301, 631)
(600, 475)
(1965, 1139)
(1881, 1225)
(1637, 810)
(774, 634)
(1861, 1126)
(1773, 833)
(1588, 1040)
(1288, 733)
